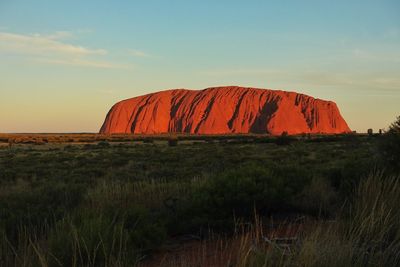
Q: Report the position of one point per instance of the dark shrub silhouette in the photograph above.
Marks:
(390, 145)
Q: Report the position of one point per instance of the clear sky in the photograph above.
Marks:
(64, 63)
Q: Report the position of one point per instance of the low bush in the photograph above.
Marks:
(284, 139)
(236, 193)
(103, 144)
(172, 141)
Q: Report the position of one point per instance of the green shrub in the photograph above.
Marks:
(284, 139)
(236, 193)
(148, 140)
(103, 144)
(172, 141)
(70, 148)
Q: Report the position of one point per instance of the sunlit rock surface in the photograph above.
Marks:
(224, 110)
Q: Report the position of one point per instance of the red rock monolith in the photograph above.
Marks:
(224, 110)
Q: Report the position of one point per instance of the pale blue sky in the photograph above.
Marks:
(64, 63)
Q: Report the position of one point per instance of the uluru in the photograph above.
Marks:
(224, 110)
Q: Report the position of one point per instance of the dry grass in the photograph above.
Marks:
(148, 193)
(368, 236)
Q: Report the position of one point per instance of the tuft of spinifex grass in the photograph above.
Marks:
(368, 236)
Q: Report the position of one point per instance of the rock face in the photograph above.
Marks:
(224, 110)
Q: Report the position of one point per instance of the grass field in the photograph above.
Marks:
(125, 200)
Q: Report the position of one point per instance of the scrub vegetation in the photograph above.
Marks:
(91, 200)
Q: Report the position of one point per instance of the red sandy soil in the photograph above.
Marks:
(224, 110)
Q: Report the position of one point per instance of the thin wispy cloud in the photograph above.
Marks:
(60, 35)
(138, 53)
(54, 49)
(39, 44)
(82, 63)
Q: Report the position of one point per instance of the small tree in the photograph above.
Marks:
(283, 139)
(395, 126)
(390, 145)
(370, 131)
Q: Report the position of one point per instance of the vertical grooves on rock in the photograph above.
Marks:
(224, 110)
(237, 108)
(205, 114)
(177, 122)
(138, 113)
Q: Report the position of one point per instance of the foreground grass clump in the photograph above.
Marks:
(100, 239)
(368, 235)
